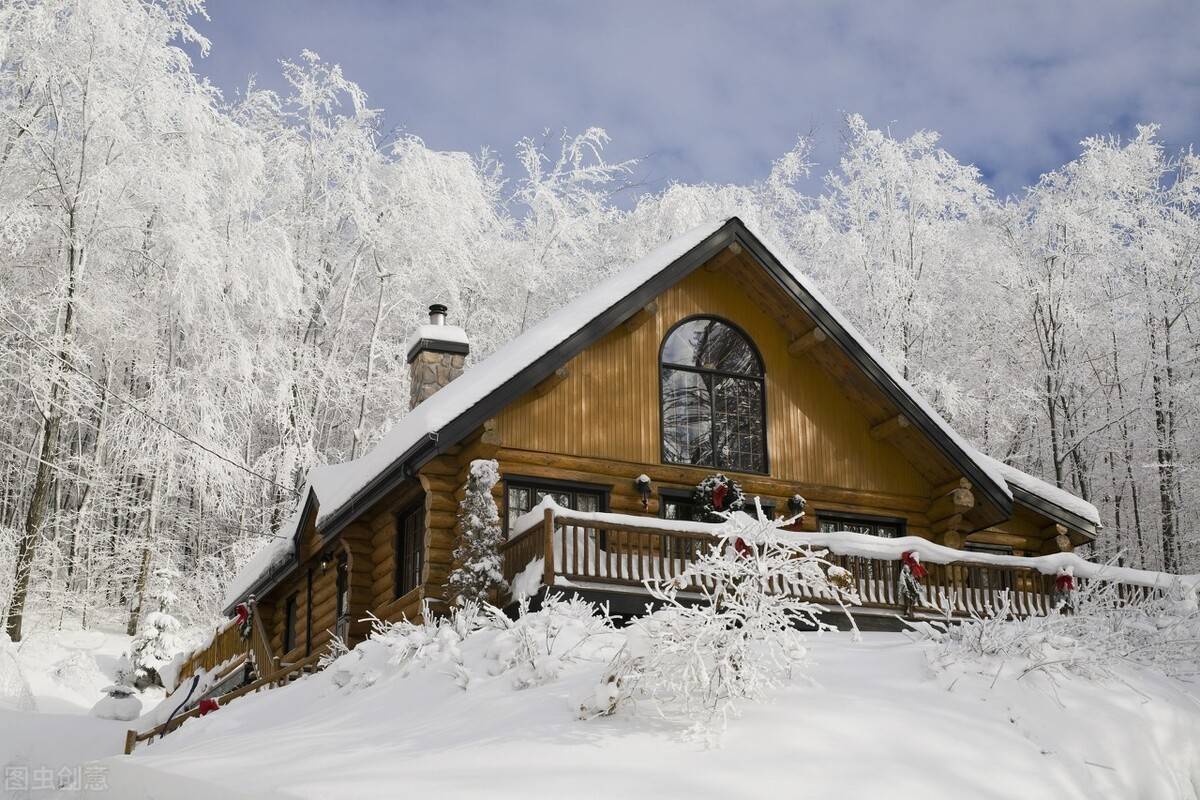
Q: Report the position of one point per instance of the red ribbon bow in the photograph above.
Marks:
(744, 550)
(909, 559)
(243, 613)
(208, 704)
(1064, 583)
(718, 495)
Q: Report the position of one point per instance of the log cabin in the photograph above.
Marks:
(711, 354)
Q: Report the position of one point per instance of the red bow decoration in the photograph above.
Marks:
(718, 495)
(744, 550)
(1064, 582)
(243, 613)
(208, 704)
(910, 559)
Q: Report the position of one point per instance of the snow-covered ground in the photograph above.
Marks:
(870, 719)
(48, 684)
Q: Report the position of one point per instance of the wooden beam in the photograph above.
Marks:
(1057, 541)
(889, 427)
(950, 523)
(490, 438)
(643, 315)
(545, 387)
(802, 344)
(958, 501)
(947, 488)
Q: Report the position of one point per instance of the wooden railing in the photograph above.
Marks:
(280, 677)
(589, 551)
(227, 643)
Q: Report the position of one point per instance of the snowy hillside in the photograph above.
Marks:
(48, 684)
(425, 712)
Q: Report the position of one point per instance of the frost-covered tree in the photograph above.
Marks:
(479, 571)
(701, 659)
(154, 646)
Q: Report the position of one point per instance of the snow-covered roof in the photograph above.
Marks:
(430, 332)
(1046, 491)
(280, 550)
(480, 380)
(342, 485)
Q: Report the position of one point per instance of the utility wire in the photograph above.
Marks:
(126, 401)
(81, 477)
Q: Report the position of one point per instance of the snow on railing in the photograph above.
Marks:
(861, 545)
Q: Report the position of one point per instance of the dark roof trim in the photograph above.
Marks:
(437, 346)
(404, 467)
(1055, 512)
(911, 409)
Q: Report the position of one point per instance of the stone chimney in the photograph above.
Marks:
(436, 356)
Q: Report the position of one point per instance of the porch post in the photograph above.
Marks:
(548, 532)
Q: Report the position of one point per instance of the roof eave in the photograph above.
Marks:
(994, 493)
(1085, 528)
(271, 579)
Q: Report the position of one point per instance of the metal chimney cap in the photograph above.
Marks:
(437, 314)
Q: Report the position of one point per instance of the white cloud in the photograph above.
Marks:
(710, 91)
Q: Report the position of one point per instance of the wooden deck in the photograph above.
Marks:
(612, 553)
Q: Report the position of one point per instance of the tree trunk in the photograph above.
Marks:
(35, 516)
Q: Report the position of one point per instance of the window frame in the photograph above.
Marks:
(900, 523)
(402, 570)
(342, 585)
(534, 483)
(290, 617)
(762, 395)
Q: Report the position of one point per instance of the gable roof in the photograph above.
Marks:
(442, 421)
(449, 416)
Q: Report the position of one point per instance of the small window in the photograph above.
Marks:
(410, 540)
(872, 526)
(343, 586)
(522, 495)
(289, 624)
(713, 407)
(985, 547)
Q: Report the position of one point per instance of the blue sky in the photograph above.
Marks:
(703, 91)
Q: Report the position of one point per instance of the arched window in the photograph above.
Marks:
(712, 397)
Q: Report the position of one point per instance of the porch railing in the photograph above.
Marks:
(227, 643)
(620, 552)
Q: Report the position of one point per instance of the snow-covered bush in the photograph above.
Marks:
(154, 647)
(1098, 631)
(78, 668)
(536, 646)
(119, 702)
(744, 638)
(14, 689)
(478, 553)
(533, 648)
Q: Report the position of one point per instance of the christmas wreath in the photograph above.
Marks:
(716, 494)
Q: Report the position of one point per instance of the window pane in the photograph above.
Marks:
(676, 508)
(518, 503)
(687, 418)
(562, 498)
(738, 428)
(585, 501)
(710, 344)
(410, 536)
(885, 530)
